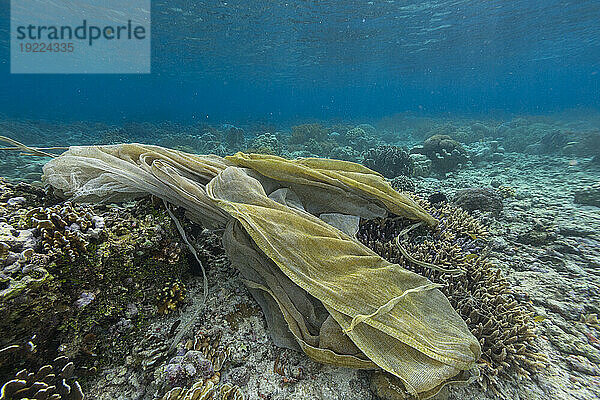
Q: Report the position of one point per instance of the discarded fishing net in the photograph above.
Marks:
(500, 318)
(289, 228)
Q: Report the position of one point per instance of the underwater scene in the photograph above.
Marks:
(293, 199)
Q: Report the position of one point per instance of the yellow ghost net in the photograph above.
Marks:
(289, 229)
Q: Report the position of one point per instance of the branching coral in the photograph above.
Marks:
(495, 314)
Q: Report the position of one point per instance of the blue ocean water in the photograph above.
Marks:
(279, 61)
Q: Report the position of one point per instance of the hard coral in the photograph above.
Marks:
(485, 199)
(403, 184)
(64, 229)
(302, 133)
(208, 389)
(495, 314)
(391, 161)
(210, 348)
(267, 143)
(445, 153)
(345, 153)
(55, 382)
(170, 296)
(201, 357)
(359, 139)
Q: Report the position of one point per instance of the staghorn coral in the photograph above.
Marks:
(64, 229)
(170, 296)
(390, 161)
(495, 314)
(55, 382)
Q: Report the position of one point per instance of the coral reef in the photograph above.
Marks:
(114, 135)
(91, 308)
(200, 357)
(301, 134)
(208, 389)
(359, 140)
(496, 315)
(463, 131)
(390, 161)
(445, 153)
(171, 296)
(484, 199)
(589, 195)
(64, 229)
(211, 348)
(345, 153)
(266, 143)
(403, 184)
(486, 151)
(53, 381)
(421, 165)
(233, 137)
